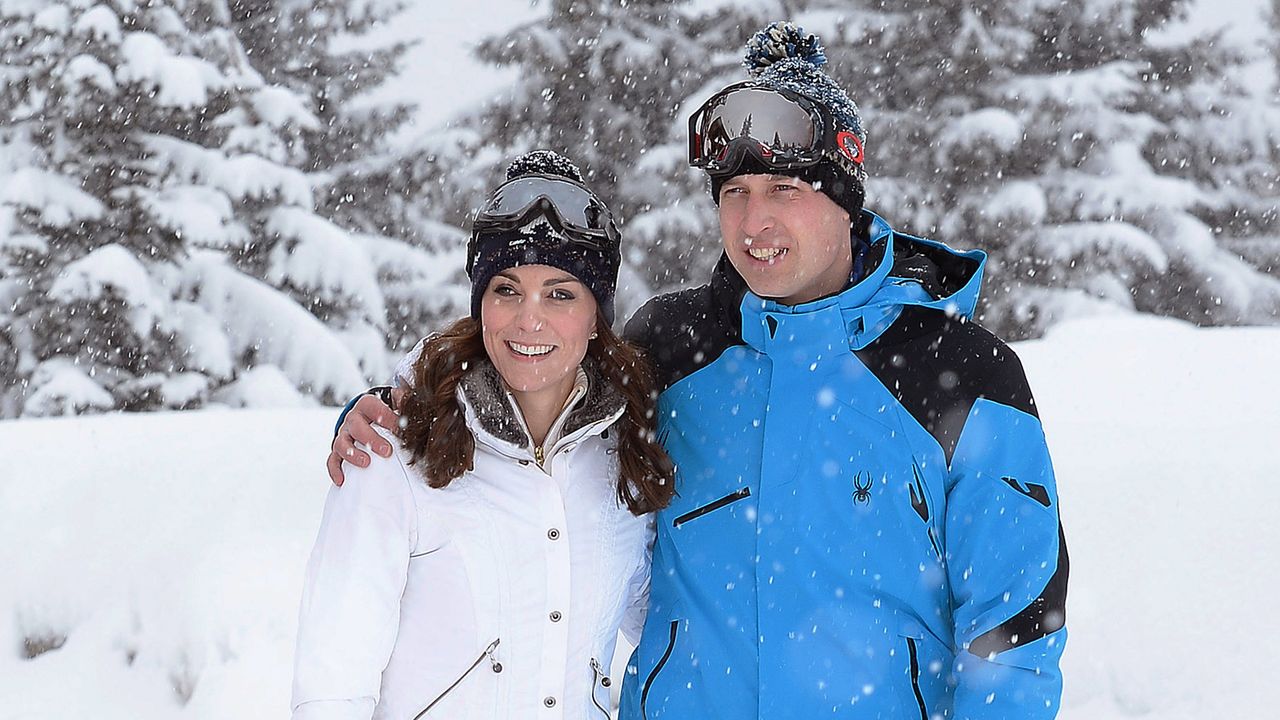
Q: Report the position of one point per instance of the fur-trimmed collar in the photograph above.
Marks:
(484, 392)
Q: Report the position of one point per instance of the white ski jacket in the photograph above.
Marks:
(499, 596)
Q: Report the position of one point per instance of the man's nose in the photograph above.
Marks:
(758, 216)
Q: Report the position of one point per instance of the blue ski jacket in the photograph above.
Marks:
(867, 522)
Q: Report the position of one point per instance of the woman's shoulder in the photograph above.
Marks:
(391, 488)
(404, 368)
(389, 477)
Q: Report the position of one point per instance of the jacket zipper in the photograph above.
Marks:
(712, 506)
(598, 676)
(648, 683)
(493, 663)
(915, 677)
(539, 453)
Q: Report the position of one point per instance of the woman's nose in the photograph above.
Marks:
(531, 315)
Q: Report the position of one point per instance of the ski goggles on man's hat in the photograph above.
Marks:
(570, 209)
(782, 129)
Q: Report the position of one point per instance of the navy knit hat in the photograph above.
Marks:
(538, 243)
(784, 56)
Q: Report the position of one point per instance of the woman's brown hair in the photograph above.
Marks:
(436, 434)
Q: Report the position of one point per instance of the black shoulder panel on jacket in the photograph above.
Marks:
(684, 331)
(937, 366)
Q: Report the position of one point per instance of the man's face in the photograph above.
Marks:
(789, 241)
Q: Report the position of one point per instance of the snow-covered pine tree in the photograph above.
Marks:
(1222, 132)
(324, 50)
(1272, 19)
(1042, 133)
(158, 222)
(89, 317)
(603, 82)
(1239, 158)
(673, 234)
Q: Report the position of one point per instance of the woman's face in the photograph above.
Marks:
(537, 321)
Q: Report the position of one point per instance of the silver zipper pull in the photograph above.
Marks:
(497, 667)
(604, 679)
(493, 663)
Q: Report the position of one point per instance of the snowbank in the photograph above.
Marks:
(167, 549)
(1161, 434)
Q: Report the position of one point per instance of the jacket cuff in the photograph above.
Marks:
(382, 391)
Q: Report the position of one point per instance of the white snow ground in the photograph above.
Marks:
(169, 548)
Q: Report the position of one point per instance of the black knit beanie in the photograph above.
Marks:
(783, 56)
(538, 243)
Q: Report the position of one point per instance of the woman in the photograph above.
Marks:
(483, 570)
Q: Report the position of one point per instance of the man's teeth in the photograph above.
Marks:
(766, 253)
(531, 350)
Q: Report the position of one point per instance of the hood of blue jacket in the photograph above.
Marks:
(907, 270)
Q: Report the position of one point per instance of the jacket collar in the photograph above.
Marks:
(727, 289)
(904, 270)
(491, 412)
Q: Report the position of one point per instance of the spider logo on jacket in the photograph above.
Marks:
(861, 492)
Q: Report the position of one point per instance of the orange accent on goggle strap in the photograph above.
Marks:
(843, 138)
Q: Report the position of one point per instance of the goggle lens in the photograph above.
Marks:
(776, 123)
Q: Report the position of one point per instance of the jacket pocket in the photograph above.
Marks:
(657, 668)
(493, 665)
(711, 507)
(913, 671)
(600, 679)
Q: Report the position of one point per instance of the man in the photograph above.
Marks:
(866, 521)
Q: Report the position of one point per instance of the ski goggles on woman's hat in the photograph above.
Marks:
(782, 129)
(578, 236)
(570, 209)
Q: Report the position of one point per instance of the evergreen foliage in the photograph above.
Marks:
(1077, 145)
(1247, 216)
(198, 202)
(605, 83)
(161, 224)
(1102, 165)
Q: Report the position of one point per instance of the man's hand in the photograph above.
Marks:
(357, 427)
